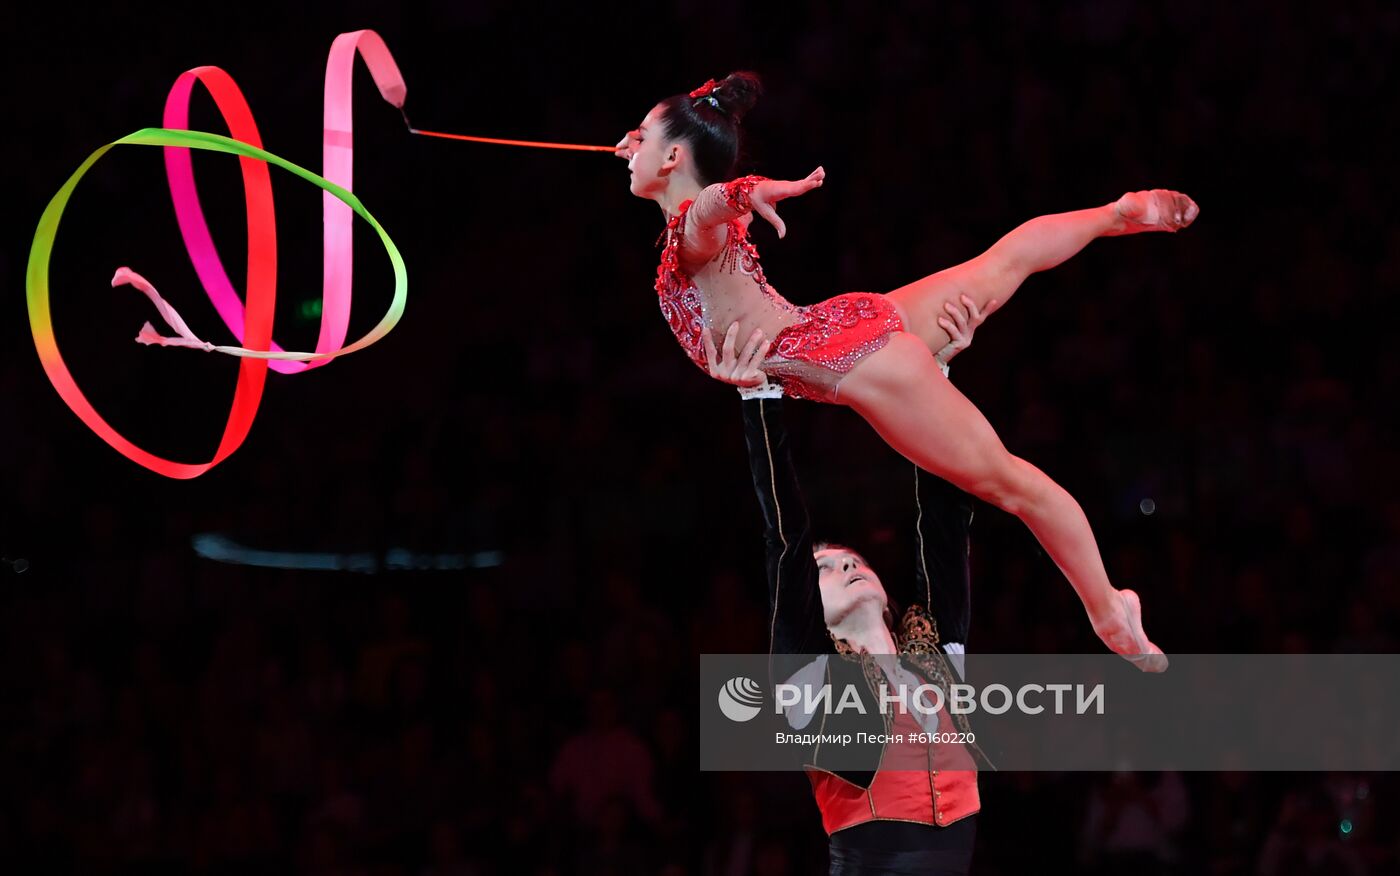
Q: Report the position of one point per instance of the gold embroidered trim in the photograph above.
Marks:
(821, 728)
(777, 509)
(917, 632)
(919, 535)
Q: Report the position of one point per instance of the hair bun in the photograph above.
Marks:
(708, 118)
(737, 93)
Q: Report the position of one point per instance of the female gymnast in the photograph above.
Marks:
(874, 352)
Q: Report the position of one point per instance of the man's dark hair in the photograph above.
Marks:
(892, 612)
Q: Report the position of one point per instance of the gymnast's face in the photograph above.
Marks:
(651, 156)
(846, 582)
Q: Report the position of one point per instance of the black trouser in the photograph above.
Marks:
(903, 848)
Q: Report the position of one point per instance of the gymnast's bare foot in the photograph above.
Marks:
(1122, 632)
(1155, 210)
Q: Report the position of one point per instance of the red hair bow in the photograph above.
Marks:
(704, 90)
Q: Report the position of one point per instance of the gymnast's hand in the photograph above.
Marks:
(624, 147)
(960, 327)
(771, 191)
(741, 370)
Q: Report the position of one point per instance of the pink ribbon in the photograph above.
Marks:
(337, 251)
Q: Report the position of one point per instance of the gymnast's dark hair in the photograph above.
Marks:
(711, 124)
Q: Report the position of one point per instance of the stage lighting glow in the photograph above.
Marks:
(225, 550)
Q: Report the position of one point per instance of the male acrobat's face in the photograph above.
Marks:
(846, 581)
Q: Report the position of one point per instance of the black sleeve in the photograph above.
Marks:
(942, 572)
(796, 624)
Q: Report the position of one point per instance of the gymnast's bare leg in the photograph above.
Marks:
(1037, 245)
(903, 394)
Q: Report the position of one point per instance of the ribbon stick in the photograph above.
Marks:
(499, 142)
(257, 334)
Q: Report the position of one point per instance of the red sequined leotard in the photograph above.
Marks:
(813, 346)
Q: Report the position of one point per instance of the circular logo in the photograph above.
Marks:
(740, 699)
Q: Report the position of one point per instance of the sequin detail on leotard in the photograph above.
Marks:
(835, 334)
(737, 192)
(678, 295)
(809, 357)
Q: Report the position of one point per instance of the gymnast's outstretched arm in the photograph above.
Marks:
(722, 203)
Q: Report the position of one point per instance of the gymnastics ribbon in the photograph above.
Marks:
(337, 155)
(257, 335)
(250, 321)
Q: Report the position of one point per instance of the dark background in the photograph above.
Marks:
(169, 713)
